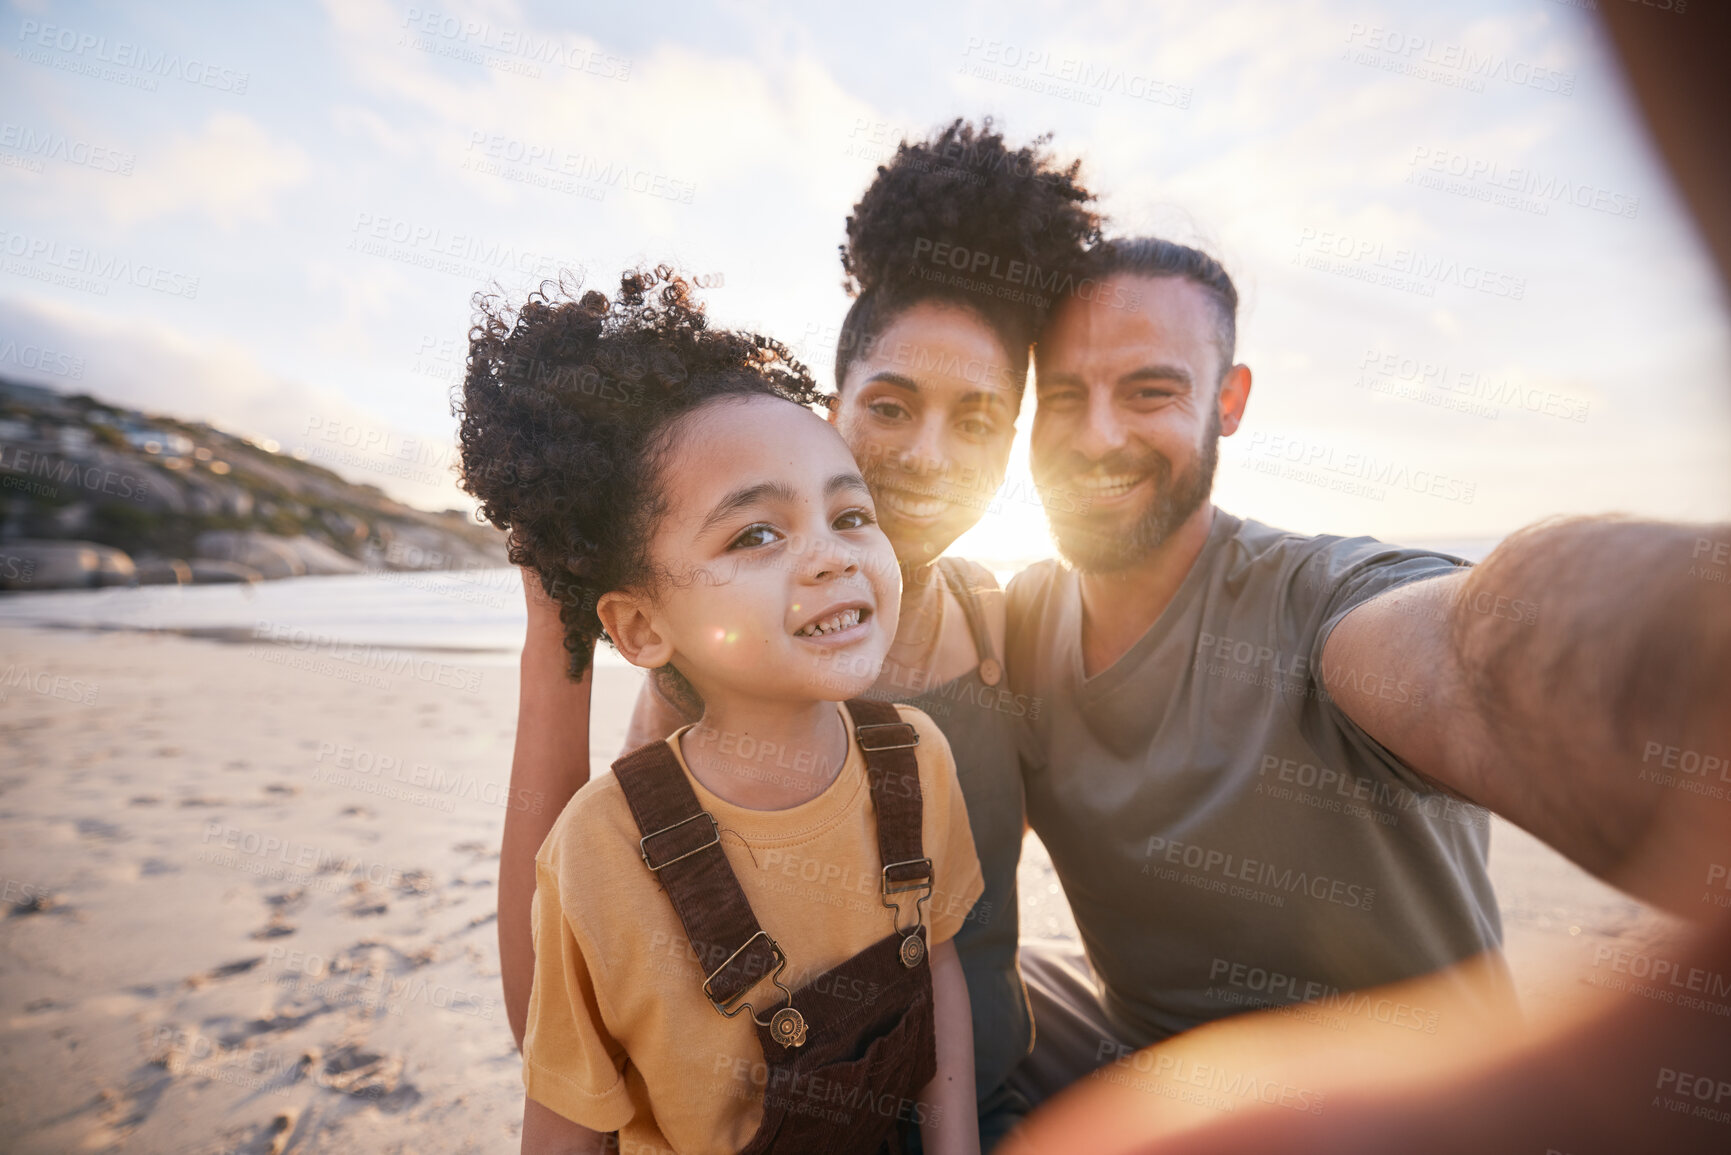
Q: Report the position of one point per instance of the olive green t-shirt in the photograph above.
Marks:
(1227, 838)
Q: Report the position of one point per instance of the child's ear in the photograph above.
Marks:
(832, 406)
(630, 622)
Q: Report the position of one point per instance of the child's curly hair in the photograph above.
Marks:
(563, 409)
(966, 188)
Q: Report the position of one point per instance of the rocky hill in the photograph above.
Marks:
(96, 494)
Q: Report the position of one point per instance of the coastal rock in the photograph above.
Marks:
(163, 571)
(63, 565)
(270, 555)
(207, 572)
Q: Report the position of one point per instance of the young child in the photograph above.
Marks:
(742, 935)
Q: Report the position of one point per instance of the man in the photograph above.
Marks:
(1257, 752)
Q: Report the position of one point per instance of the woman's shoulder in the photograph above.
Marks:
(976, 577)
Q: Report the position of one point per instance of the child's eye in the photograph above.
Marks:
(854, 519)
(753, 536)
(888, 410)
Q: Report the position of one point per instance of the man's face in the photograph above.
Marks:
(1128, 416)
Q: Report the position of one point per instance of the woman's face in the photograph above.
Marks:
(929, 411)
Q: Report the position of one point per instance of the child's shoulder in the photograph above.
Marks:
(933, 743)
(597, 817)
(919, 720)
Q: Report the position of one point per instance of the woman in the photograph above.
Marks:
(930, 368)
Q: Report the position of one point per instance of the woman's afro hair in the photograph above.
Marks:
(561, 412)
(966, 188)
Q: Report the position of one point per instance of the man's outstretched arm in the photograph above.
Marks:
(1587, 722)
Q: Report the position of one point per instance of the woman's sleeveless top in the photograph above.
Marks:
(978, 714)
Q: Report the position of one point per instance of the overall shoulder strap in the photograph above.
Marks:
(888, 744)
(681, 843)
(962, 585)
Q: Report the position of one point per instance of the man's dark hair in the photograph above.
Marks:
(1005, 208)
(1154, 257)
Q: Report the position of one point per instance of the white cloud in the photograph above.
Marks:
(230, 172)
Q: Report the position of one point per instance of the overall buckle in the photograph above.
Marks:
(714, 840)
(786, 1025)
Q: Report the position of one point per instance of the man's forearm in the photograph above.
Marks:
(549, 764)
(1580, 684)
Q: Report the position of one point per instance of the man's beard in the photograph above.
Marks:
(1103, 549)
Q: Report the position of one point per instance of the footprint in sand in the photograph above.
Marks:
(275, 927)
(352, 1070)
(363, 903)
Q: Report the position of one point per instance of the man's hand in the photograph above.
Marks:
(1577, 682)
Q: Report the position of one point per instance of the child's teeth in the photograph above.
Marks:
(831, 624)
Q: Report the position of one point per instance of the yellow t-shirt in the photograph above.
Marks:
(620, 1036)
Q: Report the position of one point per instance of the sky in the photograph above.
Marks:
(1471, 298)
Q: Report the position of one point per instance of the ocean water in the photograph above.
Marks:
(475, 612)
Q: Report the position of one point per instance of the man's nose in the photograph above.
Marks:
(1101, 432)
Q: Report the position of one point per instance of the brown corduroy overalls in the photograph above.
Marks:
(848, 1053)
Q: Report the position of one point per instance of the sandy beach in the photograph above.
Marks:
(250, 897)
